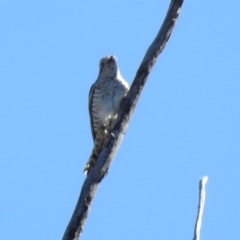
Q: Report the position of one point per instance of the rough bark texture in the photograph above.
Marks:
(112, 144)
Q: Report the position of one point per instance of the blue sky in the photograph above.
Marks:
(185, 126)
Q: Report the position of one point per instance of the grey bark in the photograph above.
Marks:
(112, 144)
(201, 202)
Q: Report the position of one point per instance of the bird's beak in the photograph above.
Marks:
(111, 59)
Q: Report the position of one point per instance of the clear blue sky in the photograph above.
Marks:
(185, 126)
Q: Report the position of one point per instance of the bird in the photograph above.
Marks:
(104, 101)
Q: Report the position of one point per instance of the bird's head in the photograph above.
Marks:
(108, 67)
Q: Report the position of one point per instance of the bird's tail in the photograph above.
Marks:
(94, 155)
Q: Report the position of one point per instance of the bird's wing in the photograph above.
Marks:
(90, 102)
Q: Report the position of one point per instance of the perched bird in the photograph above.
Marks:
(104, 101)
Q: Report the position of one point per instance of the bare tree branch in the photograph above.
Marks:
(112, 144)
(201, 201)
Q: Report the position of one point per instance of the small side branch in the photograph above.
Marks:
(202, 195)
(113, 141)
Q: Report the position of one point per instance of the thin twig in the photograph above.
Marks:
(112, 144)
(202, 195)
